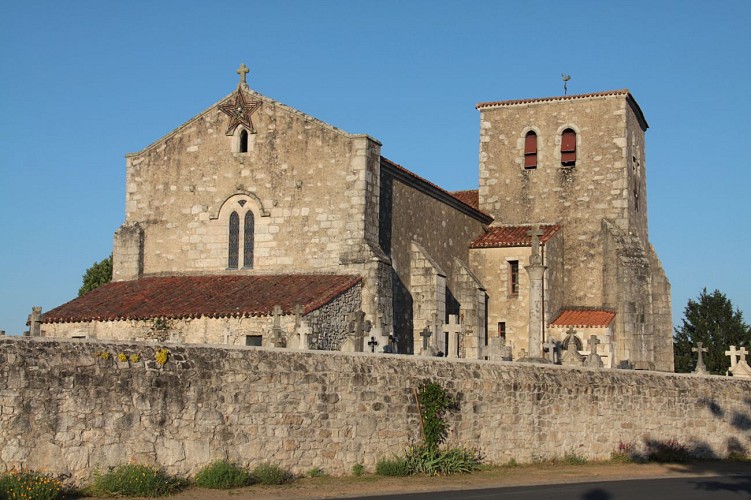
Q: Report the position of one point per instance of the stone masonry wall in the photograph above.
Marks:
(64, 409)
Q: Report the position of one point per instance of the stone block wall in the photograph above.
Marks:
(65, 409)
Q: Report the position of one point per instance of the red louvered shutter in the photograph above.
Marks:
(530, 150)
(568, 148)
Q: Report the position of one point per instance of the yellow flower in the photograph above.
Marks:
(161, 356)
(122, 357)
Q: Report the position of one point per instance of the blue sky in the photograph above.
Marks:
(82, 83)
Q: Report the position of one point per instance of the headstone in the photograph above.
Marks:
(593, 360)
(733, 355)
(276, 339)
(427, 349)
(742, 369)
(34, 322)
(700, 366)
(358, 327)
(298, 310)
(454, 330)
(301, 337)
(438, 343)
(372, 343)
(551, 346)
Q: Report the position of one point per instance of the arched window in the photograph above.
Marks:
(530, 150)
(568, 148)
(248, 237)
(234, 241)
(244, 141)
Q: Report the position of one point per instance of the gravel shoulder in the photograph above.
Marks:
(352, 487)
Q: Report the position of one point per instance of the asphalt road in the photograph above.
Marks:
(735, 487)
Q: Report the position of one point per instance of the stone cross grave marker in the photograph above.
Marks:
(298, 315)
(741, 369)
(733, 354)
(276, 329)
(426, 333)
(550, 344)
(700, 366)
(372, 343)
(454, 330)
(358, 327)
(571, 357)
(593, 360)
(303, 334)
(438, 341)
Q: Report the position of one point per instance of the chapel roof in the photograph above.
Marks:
(584, 318)
(512, 236)
(180, 297)
(470, 196)
(436, 191)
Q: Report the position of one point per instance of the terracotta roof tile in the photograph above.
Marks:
(492, 104)
(584, 318)
(470, 197)
(197, 296)
(511, 236)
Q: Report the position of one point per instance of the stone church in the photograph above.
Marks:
(253, 221)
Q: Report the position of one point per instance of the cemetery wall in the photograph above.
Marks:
(66, 409)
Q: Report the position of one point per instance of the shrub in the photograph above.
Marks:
(29, 485)
(316, 472)
(222, 475)
(573, 458)
(511, 463)
(270, 474)
(134, 480)
(433, 461)
(667, 451)
(396, 467)
(434, 403)
(358, 469)
(625, 453)
(738, 456)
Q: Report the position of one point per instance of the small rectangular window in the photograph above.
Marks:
(254, 340)
(513, 277)
(502, 329)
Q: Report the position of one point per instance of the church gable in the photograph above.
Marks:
(304, 180)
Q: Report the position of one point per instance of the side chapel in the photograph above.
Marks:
(256, 224)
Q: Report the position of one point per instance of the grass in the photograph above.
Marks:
(357, 470)
(271, 474)
(135, 481)
(29, 485)
(223, 475)
(396, 467)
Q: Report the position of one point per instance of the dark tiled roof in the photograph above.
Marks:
(196, 296)
(584, 318)
(512, 236)
(474, 208)
(623, 92)
(470, 197)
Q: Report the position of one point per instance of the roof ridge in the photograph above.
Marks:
(512, 102)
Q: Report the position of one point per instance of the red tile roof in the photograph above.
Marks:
(492, 104)
(488, 218)
(512, 236)
(470, 197)
(584, 318)
(196, 296)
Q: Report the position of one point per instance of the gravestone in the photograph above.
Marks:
(454, 330)
(358, 327)
(438, 342)
(571, 356)
(372, 343)
(593, 360)
(701, 368)
(300, 339)
(551, 346)
(427, 347)
(741, 368)
(277, 339)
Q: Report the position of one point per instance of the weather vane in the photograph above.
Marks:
(565, 79)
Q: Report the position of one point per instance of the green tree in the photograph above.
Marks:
(714, 322)
(97, 275)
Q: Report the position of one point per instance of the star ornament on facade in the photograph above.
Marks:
(239, 111)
